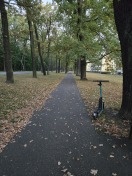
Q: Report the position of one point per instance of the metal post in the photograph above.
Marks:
(100, 84)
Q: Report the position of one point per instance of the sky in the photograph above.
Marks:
(45, 1)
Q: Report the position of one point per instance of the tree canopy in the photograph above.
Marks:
(96, 25)
(67, 34)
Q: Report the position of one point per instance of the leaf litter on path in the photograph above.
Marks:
(94, 171)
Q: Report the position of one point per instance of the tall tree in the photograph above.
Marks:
(39, 50)
(6, 43)
(30, 23)
(49, 41)
(74, 15)
(29, 8)
(123, 20)
(81, 12)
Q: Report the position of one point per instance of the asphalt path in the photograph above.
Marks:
(17, 72)
(60, 140)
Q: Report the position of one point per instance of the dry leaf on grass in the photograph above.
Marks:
(25, 96)
(108, 123)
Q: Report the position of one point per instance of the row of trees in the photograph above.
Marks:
(27, 41)
(90, 26)
(68, 32)
(83, 24)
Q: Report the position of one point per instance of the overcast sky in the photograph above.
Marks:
(45, 1)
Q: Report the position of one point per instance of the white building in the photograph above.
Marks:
(106, 65)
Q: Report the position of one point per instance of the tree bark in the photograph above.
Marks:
(6, 44)
(32, 48)
(81, 38)
(66, 67)
(123, 20)
(56, 65)
(78, 68)
(83, 68)
(22, 63)
(39, 50)
(75, 66)
(66, 64)
(48, 56)
(49, 42)
(59, 65)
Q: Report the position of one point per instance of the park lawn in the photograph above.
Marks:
(19, 100)
(108, 122)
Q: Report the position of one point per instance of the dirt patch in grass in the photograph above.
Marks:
(108, 122)
(19, 100)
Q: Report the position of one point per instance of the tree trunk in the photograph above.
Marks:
(6, 44)
(56, 65)
(49, 42)
(59, 65)
(22, 63)
(66, 66)
(81, 38)
(32, 48)
(48, 57)
(75, 66)
(123, 20)
(78, 66)
(39, 50)
(83, 69)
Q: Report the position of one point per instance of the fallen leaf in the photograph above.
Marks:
(111, 156)
(94, 171)
(68, 134)
(124, 157)
(25, 145)
(113, 146)
(59, 163)
(64, 170)
(69, 174)
(31, 141)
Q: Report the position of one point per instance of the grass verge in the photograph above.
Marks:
(108, 122)
(19, 100)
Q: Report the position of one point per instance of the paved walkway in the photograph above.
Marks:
(60, 139)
